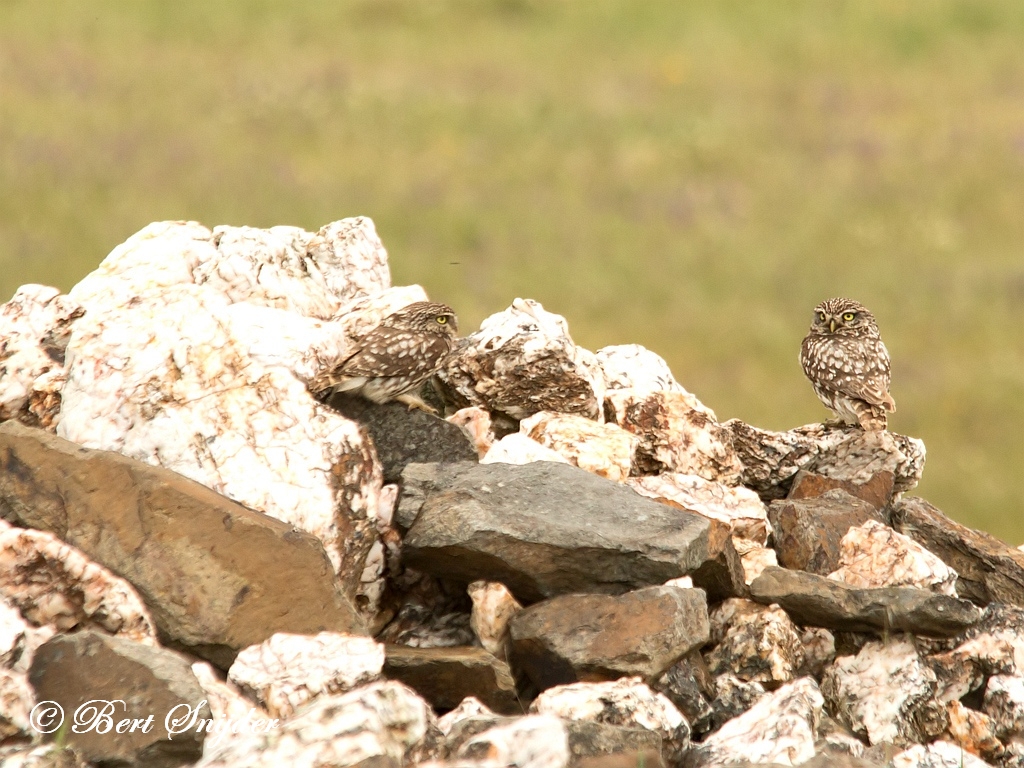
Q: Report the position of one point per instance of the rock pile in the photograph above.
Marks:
(202, 564)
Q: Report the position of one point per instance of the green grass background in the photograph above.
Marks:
(691, 176)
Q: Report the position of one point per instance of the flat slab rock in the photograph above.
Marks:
(814, 600)
(445, 676)
(572, 638)
(543, 529)
(198, 560)
(72, 670)
(770, 460)
(402, 435)
(988, 570)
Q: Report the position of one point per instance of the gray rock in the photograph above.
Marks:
(989, 570)
(445, 676)
(593, 637)
(123, 680)
(808, 531)
(690, 685)
(543, 529)
(816, 601)
(217, 576)
(402, 435)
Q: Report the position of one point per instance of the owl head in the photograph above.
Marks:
(425, 317)
(843, 317)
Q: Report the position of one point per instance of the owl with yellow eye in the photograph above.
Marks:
(848, 365)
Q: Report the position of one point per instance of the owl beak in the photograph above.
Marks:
(832, 325)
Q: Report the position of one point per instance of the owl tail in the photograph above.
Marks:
(872, 418)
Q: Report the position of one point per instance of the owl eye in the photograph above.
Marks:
(820, 317)
(441, 319)
(848, 316)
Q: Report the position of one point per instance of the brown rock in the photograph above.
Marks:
(445, 676)
(123, 680)
(217, 576)
(690, 685)
(808, 531)
(721, 576)
(989, 571)
(587, 638)
(876, 491)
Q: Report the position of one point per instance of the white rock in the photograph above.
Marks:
(523, 361)
(675, 436)
(627, 702)
(1004, 703)
(874, 555)
(780, 728)
(938, 754)
(604, 449)
(52, 583)
(225, 700)
(754, 557)
(16, 702)
(755, 642)
(34, 329)
(476, 423)
(637, 369)
(285, 671)
(379, 724)
(534, 741)
(885, 692)
(739, 508)
(194, 354)
(493, 608)
(468, 707)
(517, 448)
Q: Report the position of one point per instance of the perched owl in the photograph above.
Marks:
(848, 364)
(396, 357)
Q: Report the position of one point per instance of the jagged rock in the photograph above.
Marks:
(402, 435)
(518, 448)
(121, 680)
(18, 638)
(56, 585)
(874, 555)
(285, 671)
(770, 460)
(34, 329)
(600, 637)
(197, 558)
(637, 369)
(965, 669)
(821, 602)
(627, 702)
(469, 708)
(739, 508)
(16, 704)
(1004, 703)
(590, 740)
(523, 361)
(886, 694)
(876, 490)
(938, 754)
(690, 686)
(675, 436)
(475, 423)
(808, 532)
(543, 529)
(974, 731)
(225, 700)
(382, 724)
(733, 697)
(445, 676)
(754, 558)
(604, 449)
(193, 354)
(989, 570)
(537, 741)
(819, 651)
(493, 608)
(780, 727)
(722, 575)
(754, 642)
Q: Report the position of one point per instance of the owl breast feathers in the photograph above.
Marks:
(847, 363)
(394, 359)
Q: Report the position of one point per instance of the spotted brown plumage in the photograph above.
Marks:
(397, 356)
(847, 363)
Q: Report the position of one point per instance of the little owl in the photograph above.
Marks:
(396, 357)
(848, 364)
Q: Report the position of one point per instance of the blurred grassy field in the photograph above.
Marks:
(693, 177)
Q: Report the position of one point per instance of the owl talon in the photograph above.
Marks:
(415, 402)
